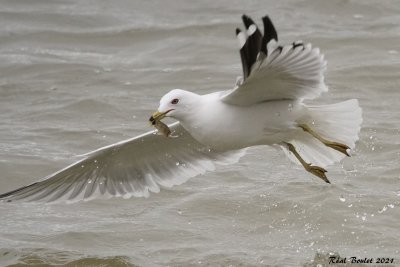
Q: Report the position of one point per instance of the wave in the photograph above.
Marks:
(44, 257)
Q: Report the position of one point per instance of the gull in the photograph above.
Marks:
(264, 108)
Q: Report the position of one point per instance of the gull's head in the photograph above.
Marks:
(177, 104)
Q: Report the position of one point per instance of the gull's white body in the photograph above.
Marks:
(223, 126)
(264, 108)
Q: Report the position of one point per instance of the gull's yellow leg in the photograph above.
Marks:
(317, 171)
(334, 145)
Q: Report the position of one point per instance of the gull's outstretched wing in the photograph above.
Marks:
(133, 167)
(273, 72)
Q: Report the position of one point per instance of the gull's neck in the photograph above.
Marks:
(195, 117)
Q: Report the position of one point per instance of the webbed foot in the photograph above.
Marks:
(334, 145)
(316, 170)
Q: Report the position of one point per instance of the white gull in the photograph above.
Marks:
(264, 108)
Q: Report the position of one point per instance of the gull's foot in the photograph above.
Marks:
(339, 147)
(317, 171)
(334, 145)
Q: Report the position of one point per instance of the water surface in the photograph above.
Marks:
(78, 75)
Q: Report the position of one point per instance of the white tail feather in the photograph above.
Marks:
(339, 122)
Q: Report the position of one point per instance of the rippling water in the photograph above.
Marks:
(77, 75)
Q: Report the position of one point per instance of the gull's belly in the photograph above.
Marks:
(226, 127)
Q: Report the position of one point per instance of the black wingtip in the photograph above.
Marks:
(297, 44)
(247, 21)
(269, 29)
(269, 33)
(255, 43)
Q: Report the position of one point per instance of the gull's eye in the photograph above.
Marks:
(175, 101)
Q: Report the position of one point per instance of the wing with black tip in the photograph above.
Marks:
(274, 72)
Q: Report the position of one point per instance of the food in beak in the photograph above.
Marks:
(162, 128)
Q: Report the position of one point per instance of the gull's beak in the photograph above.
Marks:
(157, 116)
